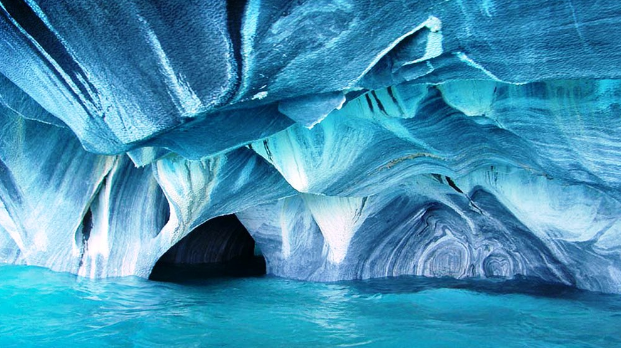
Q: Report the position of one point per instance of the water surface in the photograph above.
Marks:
(40, 308)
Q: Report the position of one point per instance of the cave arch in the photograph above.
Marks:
(220, 247)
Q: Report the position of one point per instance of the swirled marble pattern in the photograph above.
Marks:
(401, 233)
(353, 139)
(559, 129)
(159, 65)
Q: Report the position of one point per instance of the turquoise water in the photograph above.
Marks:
(42, 308)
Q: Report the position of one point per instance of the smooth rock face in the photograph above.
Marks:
(432, 228)
(352, 139)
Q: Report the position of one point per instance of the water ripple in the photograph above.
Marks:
(40, 308)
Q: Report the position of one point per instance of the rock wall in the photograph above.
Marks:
(353, 139)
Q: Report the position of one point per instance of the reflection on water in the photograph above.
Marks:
(43, 308)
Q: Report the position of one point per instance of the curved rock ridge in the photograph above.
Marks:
(565, 130)
(115, 96)
(218, 240)
(352, 139)
(121, 73)
(495, 222)
(100, 216)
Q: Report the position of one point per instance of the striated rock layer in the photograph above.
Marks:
(352, 139)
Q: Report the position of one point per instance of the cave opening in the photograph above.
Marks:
(219, 248)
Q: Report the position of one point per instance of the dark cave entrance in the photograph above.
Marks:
(220, 247)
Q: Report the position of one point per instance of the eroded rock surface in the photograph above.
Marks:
(352, 139)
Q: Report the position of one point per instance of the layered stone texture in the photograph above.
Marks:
(352, 139)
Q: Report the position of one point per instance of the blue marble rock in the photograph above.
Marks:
(120, 73)
(352, 139)
(498, 222)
